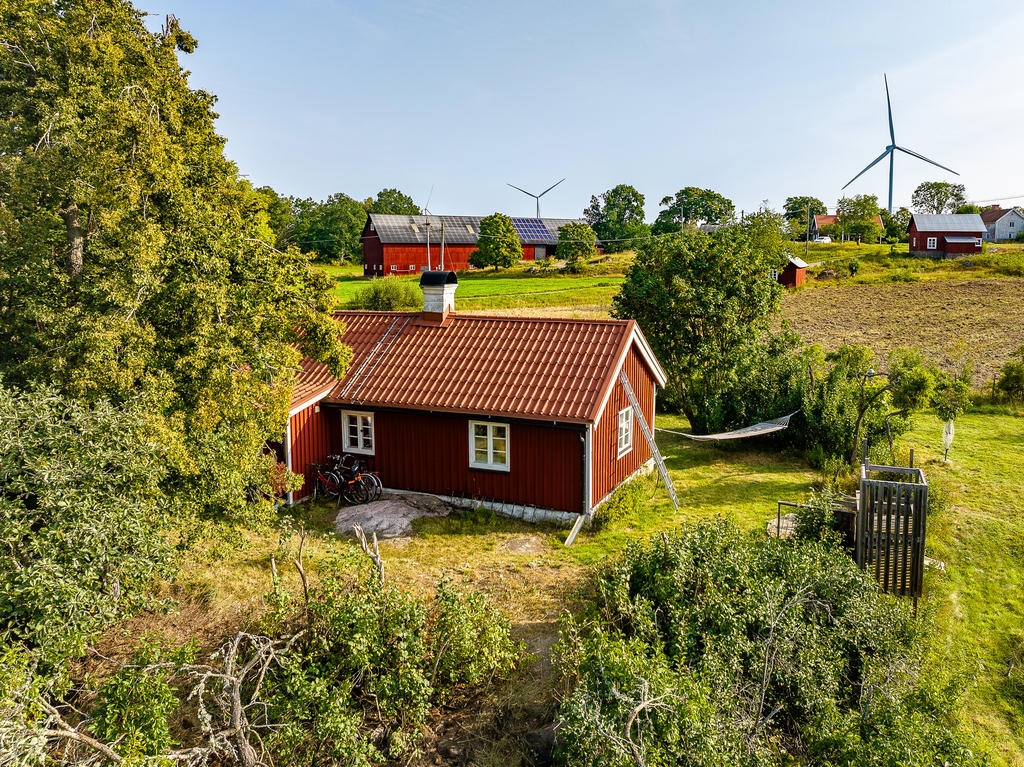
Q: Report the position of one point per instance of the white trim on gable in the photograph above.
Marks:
(636, 337)
(307, 403)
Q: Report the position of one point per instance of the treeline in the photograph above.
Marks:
(330, 230)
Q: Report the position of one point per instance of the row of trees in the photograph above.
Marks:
(331, 229)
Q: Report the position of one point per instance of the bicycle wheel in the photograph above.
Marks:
(373, 486)
(355, 492)
(331, 484)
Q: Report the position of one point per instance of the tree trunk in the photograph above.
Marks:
(76, 239)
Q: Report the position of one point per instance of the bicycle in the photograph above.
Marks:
(351, 469)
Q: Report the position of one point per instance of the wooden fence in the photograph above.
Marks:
(892, 513)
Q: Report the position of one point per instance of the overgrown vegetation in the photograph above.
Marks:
(347, 675)
(708, 646)
(387, 294)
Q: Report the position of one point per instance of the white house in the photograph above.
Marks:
(1002, 223)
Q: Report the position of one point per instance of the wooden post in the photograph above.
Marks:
(911, 458)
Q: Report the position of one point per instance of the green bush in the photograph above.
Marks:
(710, 646)
(358, 686)
(82, 519)
(853, 267)
(1011, 377)
(387, 294)
(903, 275)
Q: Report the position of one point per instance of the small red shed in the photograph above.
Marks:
(400, 244)
(795, 273)
(524, 415)
(946, 235)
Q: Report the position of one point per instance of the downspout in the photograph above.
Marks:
(288, 454)
(588, 472)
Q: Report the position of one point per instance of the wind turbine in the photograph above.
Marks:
(536, 196)
(891, 151)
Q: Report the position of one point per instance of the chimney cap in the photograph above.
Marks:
(432, 279)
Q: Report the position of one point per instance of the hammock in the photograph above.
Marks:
(765, 427)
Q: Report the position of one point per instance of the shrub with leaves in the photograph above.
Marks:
(387, 294)
(1011, 377)
(577, 243)
(709, 646)
(357, 686)
(82, 518)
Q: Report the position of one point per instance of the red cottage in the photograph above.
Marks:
(524, 415)
(394, 244)
(795, 273)
(945, 235)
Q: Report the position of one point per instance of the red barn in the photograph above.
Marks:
(521, 414)
(394, 244)
(940, 236)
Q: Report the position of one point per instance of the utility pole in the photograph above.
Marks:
(807, 236)
(442, 244)
(428, 245)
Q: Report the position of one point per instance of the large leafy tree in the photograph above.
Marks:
(617, 216)
(393, 201)
(133, 260)
(332, 229)
(896, 223)
(858, 217)
(498, 244)
(280, 215)
(705, 303)
(692, 206)
(576, 243)
(938, 197)
(800, 208)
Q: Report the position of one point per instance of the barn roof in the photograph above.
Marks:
(521, 367)
(828, 219)
(949, 222)
(460, 230)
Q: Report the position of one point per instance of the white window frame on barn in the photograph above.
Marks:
(363, 439)
(625, 431)
(487, 455)
(933, 243)
(977, 241)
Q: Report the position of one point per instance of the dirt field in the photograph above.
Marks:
(929, 316)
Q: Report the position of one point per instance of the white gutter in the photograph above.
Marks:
(588, 474)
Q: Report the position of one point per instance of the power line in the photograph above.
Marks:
(1001, 199)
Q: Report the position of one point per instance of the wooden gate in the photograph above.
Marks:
(892, 510)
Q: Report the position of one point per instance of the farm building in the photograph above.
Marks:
(820, 222)
(794, 274)
(944, 235)
(1002, 224)
(394, 244)
(525, 415)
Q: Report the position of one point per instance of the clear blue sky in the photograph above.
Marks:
(758, 101)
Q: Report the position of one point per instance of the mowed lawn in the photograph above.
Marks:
(979, 535)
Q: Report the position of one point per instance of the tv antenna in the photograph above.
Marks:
(536, 196)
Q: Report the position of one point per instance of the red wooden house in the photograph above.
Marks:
(399, 244)
(521, 414)
(940, 236)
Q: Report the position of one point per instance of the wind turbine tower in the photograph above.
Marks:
(536, 196)
(891, 150)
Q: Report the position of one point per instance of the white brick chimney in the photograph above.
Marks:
(438, 294)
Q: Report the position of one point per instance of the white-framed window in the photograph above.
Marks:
(915, 242)
(977, 241)
(358, 429)
(932, 243)
(625, 440)
(488, 445)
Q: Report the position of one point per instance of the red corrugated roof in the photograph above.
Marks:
(524, 367)
(820, 221)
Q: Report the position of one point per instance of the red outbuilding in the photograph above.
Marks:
(399, 244)
(524, 415)
(795, 273)
(940, 236)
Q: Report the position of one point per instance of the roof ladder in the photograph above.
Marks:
(655, 453)
(385, 341)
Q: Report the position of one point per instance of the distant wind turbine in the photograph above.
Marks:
(536, 196)
(891, 151)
